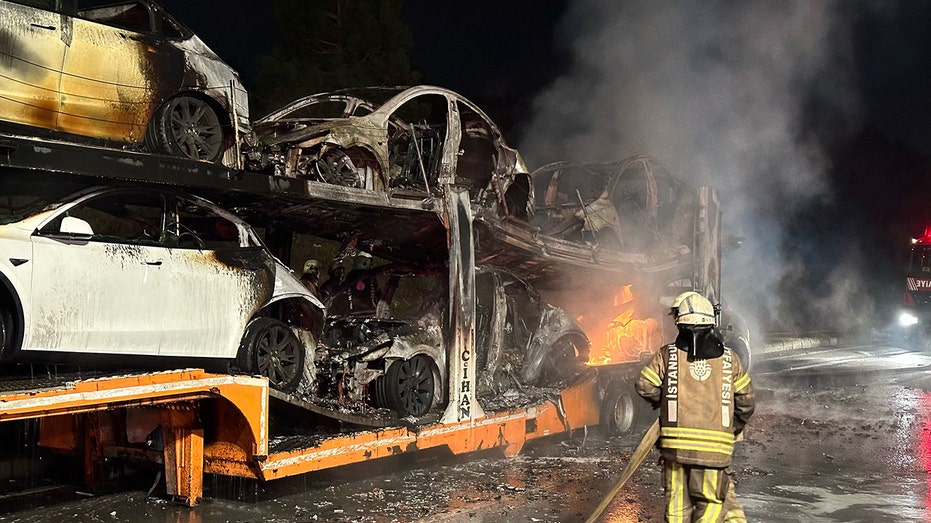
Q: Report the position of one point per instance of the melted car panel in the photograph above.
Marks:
(516, 332)
(104, 72)
(407, 142)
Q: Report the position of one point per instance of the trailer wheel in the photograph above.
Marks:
(188, 127)
(271, 349)
(618, 411)
(409, 385)
(742, 351)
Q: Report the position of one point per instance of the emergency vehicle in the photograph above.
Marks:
(914, 315)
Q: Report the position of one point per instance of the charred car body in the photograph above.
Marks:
(110, 273)
(126, 72)
(401, 141)
(630, 217)
(521, 341)
(624, 233)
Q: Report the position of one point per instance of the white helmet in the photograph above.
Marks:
(692, 309)
(362, 261)
(311, 267)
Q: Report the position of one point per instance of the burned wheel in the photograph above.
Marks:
(271, 349)
(409, 386)
(188, 127)
(337, 168)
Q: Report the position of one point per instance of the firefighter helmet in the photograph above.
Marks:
(693, 309)
(312, 267)
(678, 300)
(362, 261)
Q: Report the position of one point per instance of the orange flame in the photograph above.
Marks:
(624, 338)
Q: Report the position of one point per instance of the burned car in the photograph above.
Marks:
(634, 205)
(399, 362)
(626, 219)
(400, 141)
(126, 73)
(126, 276)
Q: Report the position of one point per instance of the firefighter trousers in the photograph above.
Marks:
(733, 512)
(694, 494)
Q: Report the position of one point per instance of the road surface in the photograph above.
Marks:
(841, 434)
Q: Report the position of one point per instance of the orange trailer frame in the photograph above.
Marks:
(77, 417)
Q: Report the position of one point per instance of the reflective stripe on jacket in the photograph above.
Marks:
(703, 404)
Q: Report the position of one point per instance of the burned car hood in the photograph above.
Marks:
(357, 334)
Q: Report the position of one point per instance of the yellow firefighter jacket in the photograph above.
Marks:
(704, 404)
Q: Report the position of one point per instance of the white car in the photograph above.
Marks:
(108, 273)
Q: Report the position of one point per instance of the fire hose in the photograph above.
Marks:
(649, 439)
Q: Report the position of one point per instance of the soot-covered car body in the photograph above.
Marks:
(627, 220)
(400, 364)
(400, 141)
(117, 276)
(633, 205)
(126, 72)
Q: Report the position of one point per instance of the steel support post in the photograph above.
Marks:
(184, 456)
(461, 349)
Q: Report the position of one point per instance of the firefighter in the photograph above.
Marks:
(363, 290)
(705, 399)
(311, 276)
(336, 274)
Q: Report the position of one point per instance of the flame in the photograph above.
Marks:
(623, 338)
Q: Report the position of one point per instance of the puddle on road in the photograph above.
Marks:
(854, 450)
(793, 504)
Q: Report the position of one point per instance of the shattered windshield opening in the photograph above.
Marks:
(23, 195)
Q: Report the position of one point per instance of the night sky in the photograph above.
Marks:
(810, 118)
(489, 49)
(494, 52)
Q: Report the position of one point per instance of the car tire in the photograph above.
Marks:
(409, 386)
(6, 332)
(619, 413)
(270, 348)
(337, 168)
(742, 351)
(187, 127)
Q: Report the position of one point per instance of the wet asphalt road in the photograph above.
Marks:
(841, 434)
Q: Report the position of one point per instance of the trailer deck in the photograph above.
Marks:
(219, 424)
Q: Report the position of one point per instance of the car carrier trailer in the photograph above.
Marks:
(194, 422)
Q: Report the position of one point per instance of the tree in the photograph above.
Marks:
(325, 45)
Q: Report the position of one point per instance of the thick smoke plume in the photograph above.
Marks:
(724, 94)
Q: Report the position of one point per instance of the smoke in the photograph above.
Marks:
(745, 96)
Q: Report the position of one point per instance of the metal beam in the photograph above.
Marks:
(461, 350)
